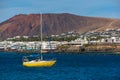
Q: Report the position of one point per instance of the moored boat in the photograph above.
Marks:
(39, 62)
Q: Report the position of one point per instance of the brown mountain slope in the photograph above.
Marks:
(53, 24)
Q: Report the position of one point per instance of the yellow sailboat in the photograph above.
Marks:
(38, 62)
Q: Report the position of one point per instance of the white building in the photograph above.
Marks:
(49, 45)
(80, 41)
(111, 40)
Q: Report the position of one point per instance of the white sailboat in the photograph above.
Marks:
(40, 62)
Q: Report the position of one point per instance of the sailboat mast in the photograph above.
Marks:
(41, 35)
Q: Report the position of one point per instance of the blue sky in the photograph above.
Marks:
(97, 8)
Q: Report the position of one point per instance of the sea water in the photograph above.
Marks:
(69, 66)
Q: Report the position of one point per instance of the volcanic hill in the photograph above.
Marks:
(29, 25)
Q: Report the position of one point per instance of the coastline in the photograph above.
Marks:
(112, 48)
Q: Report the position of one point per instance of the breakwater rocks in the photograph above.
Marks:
(106, 47)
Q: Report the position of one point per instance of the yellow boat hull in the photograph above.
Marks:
(39, 63)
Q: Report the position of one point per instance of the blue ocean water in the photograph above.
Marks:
(87, 66)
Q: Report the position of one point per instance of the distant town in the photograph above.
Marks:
(108, 40)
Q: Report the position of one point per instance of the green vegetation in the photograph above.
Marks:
(63, 38)
(59, 38)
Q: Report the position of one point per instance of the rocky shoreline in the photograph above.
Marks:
(108, 47)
